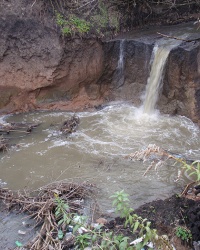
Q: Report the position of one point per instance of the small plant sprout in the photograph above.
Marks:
(184, 234)
(62, 211)
(138, 225)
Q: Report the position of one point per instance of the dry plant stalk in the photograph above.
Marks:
(148, 153)
(40, 205)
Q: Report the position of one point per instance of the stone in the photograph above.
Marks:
(102, 221)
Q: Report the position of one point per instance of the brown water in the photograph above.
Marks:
(96, 152)
(159, 57)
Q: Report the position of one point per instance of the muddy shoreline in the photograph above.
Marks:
(165, 216)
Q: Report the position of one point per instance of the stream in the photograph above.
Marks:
(97, 152)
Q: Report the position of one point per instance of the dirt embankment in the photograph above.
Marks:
(37, 65)
(40, 69)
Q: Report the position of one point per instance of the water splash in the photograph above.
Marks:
(154, 84)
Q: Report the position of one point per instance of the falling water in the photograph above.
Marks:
(119, 73)
(154, 83)
(121, 56)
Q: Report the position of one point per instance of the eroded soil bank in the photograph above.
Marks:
(40, 69)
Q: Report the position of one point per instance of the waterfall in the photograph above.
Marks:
(154, 84)
(119, 73)
(120, 65)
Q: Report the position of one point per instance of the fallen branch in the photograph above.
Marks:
(178, 38)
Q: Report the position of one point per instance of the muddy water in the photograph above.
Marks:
(159, 57)
(96, 152)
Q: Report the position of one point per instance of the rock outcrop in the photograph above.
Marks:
(180, 93)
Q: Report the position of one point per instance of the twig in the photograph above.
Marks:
(187, 188)
(33, 3)
(177, 38)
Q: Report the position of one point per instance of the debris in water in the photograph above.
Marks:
(3, 144)
(69, 126)
(6, 129)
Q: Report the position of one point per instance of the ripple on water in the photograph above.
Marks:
(96, 151)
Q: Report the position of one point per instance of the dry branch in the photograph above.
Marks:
(177, 38)
(14, 127)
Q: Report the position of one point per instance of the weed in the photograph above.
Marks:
(62, 211)
(137, 224)
(72, 25)
(184, 234)
(193, 169)
(83, 240)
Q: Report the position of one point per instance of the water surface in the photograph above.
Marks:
(97, 151)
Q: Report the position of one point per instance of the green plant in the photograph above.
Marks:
(121, 241)
(83, 240)
(80, 25)
(113, 242)
(100, 19)
(62, 211)
(135, 222)
(184, 234)
(121, 204)
(138, 225)
(72, 25)
(193, 169)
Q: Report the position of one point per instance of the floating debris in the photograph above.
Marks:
(13, 127)
(3, 144)
(69, 126)
(17, 127)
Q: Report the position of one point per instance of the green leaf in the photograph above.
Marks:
(137, 223)
(94, 238)
(123, 245)
(60, 222)
(60, 234)
(76, 228)
(139, 246)
(57, 213)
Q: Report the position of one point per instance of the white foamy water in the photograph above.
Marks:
(96, 152)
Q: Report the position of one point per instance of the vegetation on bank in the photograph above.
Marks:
(107, 18)
(96, 22)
